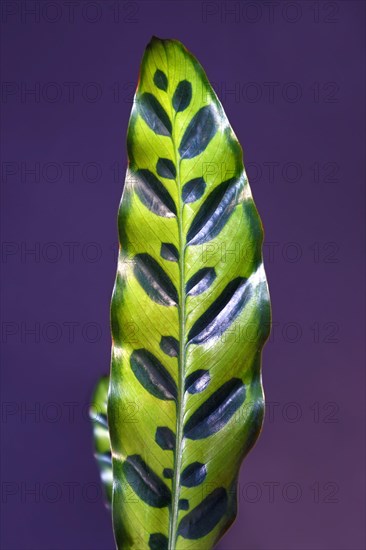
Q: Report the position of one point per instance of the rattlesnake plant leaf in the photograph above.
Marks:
(191, 283)
(98, 415)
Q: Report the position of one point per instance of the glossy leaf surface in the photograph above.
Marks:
(190, 314)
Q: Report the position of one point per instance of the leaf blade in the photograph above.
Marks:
(181, 221)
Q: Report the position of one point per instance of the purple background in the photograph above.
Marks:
(311, 450)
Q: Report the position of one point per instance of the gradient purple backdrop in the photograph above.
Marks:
(291, 78)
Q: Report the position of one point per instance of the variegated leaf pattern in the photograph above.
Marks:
(190, 314)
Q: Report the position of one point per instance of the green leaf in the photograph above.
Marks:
(190, 280)
(98, 415)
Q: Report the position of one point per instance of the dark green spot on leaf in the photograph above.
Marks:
(166, 169)
(169, 345)
(154, 114)
(193, 475)
(168, 473)
(182, 95)
(216, 412)
(158, 541)
(154, 280)
(222, 312)
(183, 504)
(200, 281)
(199, 133)
(214, 212)
(153, 375)
(165, 438)
(197, 381)
(193, 190)
(154, 195)
(169, 252)
(201, 520)
(160, 80)
(145, 483)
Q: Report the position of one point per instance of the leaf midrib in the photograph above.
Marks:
(181, 357)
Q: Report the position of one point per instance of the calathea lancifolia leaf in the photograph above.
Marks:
(98, 414)
(190, 279)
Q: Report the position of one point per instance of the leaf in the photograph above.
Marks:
(98, 415)
(191, 282)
